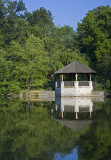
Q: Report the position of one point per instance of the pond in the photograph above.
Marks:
(67, 129)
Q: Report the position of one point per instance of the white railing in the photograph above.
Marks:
(83, 83)
(68, 108)
(71, 84)
(68, 83)
(84, 109)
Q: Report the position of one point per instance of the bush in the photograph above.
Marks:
(13, 88)
(98, 87)
(108, 84)
(9, 88)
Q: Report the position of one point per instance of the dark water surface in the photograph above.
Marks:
(49, 130)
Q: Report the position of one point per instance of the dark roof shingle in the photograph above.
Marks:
(75, 67)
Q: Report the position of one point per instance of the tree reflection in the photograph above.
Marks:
(28, 131)
(96, 144)
(32, 135)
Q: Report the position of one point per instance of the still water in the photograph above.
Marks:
(67, 129)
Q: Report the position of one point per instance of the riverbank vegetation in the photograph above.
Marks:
(32, 48)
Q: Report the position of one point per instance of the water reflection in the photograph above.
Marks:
(74, 104)
(71, 156)
(28, 130)
(74, 112)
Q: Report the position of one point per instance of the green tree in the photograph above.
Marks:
(40, 17)
(29, 63)
(41, 20)
(94, 34)
(37, 61)
(11, 12)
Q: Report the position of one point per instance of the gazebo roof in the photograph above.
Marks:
(76, 125)
(75, 67)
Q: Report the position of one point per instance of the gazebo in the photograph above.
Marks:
(75, 87)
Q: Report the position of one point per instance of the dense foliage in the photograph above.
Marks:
(27, 131)
(94, 35)
(32, 48)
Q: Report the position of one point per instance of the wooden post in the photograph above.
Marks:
(90, 76)
(76, 76)
(90, 115)
(62, 115)
(76, 115)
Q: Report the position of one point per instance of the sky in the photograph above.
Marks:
(66, 12)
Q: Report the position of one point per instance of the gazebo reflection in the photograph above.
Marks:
(75, 105)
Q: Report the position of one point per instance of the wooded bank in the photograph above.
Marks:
(32, 48)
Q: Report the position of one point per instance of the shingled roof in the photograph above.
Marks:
(75, 67)
(75, 125)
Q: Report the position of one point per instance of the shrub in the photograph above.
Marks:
(9, 88)
(108, 84)
(98, 87)
(14, 88)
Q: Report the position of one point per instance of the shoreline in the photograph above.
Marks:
(51, 95)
